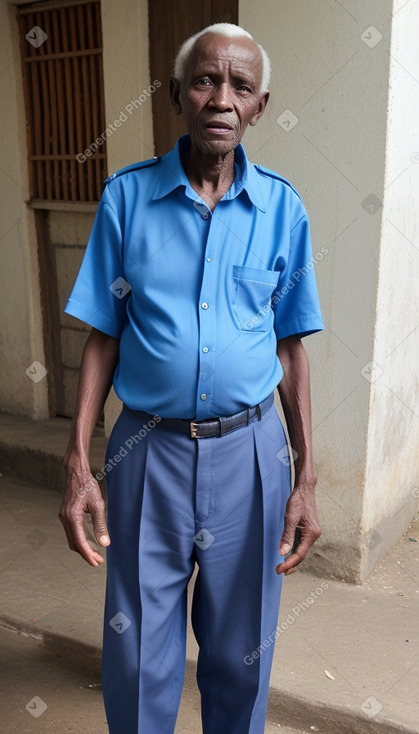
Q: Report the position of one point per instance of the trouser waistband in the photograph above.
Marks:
(212, 427)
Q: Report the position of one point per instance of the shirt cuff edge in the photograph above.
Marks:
(92, 318)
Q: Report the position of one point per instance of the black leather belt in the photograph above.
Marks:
(212, 427)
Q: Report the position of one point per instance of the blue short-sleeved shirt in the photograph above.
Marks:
(197, 298)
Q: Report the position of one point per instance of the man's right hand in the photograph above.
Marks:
(100, 357)
(83, 495)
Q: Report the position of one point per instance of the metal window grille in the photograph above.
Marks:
(61, 44)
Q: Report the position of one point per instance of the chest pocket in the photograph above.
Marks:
(253, 289)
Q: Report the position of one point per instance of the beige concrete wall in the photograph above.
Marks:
(327, 129)
(68, 233)
(21, 329)
(127, 75)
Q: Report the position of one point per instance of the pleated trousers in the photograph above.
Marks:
(174, 502)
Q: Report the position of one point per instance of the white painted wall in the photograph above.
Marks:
(332, 72)
(392, 472)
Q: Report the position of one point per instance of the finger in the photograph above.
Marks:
(84, 549)
(308, 537)
(290, 564)
(100, 527)
(77, 541)
(95, 506)
(288, 535)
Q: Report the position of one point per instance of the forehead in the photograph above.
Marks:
(239, 53)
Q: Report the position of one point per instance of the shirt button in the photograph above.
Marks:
(205, 216)
(203, 396)
(209, 259)
(204, 305)
(205, 349)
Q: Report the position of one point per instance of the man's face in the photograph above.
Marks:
(220, 94)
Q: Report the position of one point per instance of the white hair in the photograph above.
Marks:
(228, 30)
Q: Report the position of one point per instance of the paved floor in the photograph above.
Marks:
(346, 660)
(43, 692)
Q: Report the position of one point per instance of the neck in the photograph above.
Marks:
(209, 175)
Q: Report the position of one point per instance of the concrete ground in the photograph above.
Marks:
(346, 660)
(40, 690)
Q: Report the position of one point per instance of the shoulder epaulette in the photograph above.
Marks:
(267, 172)
(132, 167)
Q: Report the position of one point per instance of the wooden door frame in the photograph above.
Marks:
(170, 23)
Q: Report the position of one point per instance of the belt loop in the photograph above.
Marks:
(258, 412)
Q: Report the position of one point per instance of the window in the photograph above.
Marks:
(61, 45)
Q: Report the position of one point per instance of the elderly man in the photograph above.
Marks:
(198, 283)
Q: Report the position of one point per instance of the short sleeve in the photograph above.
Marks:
(100, 292)
(295, 301)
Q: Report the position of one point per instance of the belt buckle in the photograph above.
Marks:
(194, 429)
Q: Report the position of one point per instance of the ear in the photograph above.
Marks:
(260, 109)
(175, 95)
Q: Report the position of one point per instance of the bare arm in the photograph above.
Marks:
(100, 357)
(294, 391)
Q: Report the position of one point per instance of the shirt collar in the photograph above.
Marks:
(173, 175)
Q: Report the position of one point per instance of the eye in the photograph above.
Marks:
(203, 82)
(244, 88)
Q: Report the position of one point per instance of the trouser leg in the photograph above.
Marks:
(236, 600)
(150, 560)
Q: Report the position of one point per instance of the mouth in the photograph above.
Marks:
(218, 128)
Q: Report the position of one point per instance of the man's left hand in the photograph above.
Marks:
(300, 513)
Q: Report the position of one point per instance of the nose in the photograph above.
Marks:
(221, 98)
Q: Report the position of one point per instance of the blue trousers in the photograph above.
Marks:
(174, 502)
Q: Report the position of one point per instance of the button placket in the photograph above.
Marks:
(202, 208)
(207, 324)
